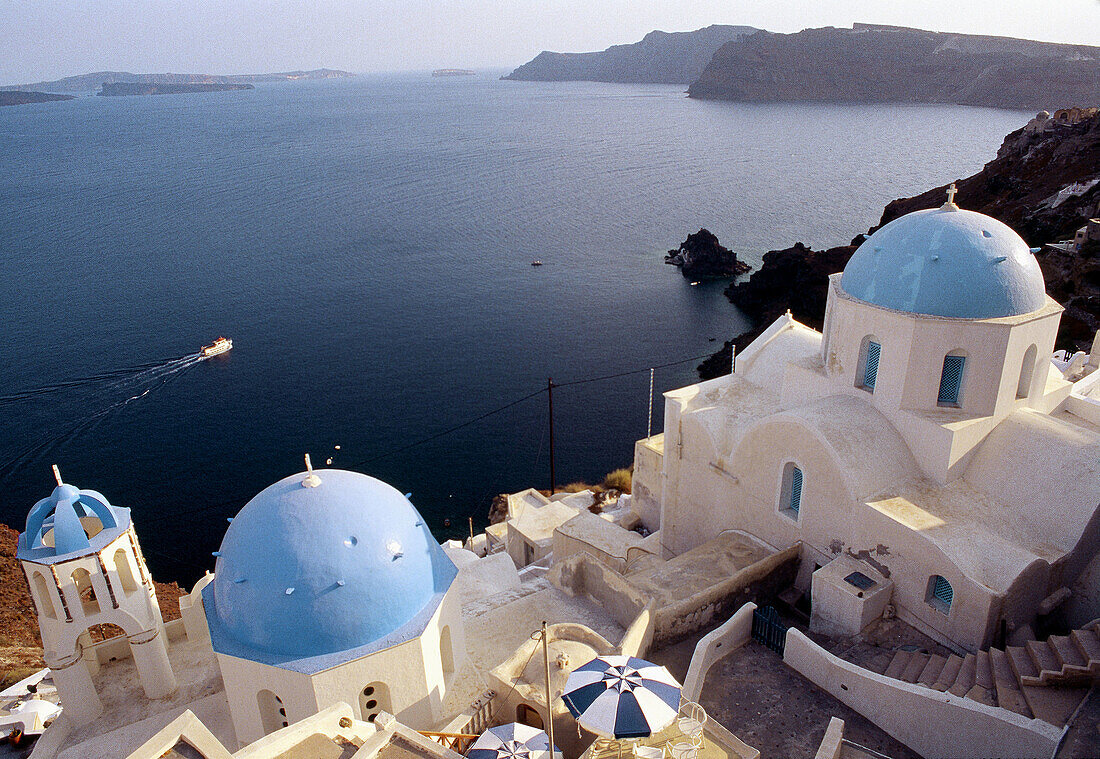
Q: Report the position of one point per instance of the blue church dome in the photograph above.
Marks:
(70, 523)
(946, 262)
(333, 564)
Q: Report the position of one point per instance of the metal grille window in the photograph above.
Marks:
(870, 365)
(951, 380)
(940, 593)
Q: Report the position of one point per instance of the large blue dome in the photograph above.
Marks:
(946, 262)
(346, 565)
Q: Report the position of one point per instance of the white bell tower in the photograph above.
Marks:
(84, 568)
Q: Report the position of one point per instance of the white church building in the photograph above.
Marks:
(923, 437)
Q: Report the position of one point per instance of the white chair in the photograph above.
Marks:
(691, 719)
(640, 751)
(685, 749)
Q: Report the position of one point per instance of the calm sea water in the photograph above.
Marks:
(367, 245)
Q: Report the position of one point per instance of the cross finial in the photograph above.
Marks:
(311, 480)
(57, 474)
(951, 191)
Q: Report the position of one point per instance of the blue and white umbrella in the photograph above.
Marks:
(514, 741)
(622, 697)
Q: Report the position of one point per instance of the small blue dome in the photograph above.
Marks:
(309, 571)
(69, 523)
(946, 262)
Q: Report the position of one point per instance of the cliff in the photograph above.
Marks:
(660, 58)
(22, 98)
(93, 81)
(1044, 183)
(881, 64)
(701, 255)
(118, 89)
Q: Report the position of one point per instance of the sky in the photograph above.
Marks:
(47, 39)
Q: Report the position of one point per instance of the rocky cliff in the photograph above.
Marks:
(1044, 183)
(881, 64)
(701, 255)
(660, 57)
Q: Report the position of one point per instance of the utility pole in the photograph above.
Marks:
(550, 400)
(549, 701)
(649, 419)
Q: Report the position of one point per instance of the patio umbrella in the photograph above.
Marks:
(514, 741)
(622, 697)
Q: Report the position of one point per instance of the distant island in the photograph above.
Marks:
(91, 82)
(887, 64)
(659, 58)
(453, 72)
(22, 98)
(116, 89)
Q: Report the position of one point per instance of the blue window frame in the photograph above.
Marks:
(940, 593)
(870, 365)
(951, 380)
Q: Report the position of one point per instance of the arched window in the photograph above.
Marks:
(790, 491)
(446, 652)
(44, 595)
(528, 715)
(272, 712)
(951, 379)
(940, 594)
(867, 370)
(1027, 370)
(83, 582)
(125, 571)
(373, 699)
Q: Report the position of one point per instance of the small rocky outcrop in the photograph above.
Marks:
(702, 256)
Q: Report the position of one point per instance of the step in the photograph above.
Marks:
(982, 695)
(1022, 665)
(983, 675)
(1009, 695)
(965, 679)
(932, 670)
(948, 674)
(1043, 656)
(1088, 643)
(1054, 706)
(915, 667)
(1067, 652)
(898, 664)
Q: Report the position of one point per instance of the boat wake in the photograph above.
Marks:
(107, 393)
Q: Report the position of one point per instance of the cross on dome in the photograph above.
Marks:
(951, 191)
(311, 480)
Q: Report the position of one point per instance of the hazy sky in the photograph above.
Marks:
(46, 39)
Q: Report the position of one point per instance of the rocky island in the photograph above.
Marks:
(701, 256)
(93, 81)
(886, 64)
(659, 58)
(22, 98)
(1044, 183)
(118, 89)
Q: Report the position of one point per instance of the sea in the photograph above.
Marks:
(367, 244)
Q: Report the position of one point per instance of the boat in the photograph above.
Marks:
(537, 262)
(219, 346)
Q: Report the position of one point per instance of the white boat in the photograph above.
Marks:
(219, 346)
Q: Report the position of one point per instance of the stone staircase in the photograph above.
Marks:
(1043, 679)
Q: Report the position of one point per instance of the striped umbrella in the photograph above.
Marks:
(514, 741)
(622, 697)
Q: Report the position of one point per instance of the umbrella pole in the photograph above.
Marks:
(549, 702)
